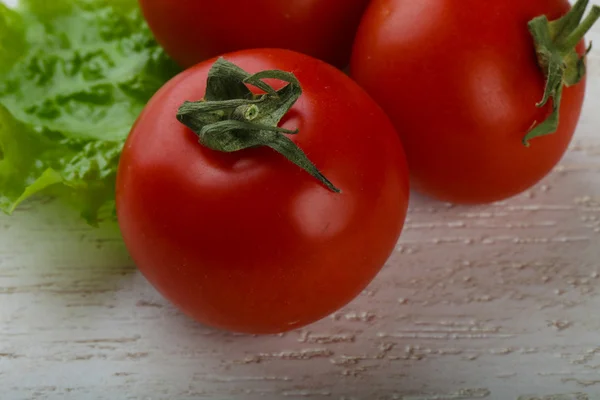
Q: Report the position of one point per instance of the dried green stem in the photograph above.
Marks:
(555, 44)
(231, 118)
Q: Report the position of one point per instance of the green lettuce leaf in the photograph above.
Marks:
(74, 76)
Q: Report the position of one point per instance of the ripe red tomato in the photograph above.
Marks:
(247, 241)
(460, 80)
(195, 30)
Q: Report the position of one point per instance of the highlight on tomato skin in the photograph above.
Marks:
(252, 238)
(465, 84)
(196, 30)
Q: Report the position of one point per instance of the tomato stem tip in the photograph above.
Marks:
(555, 45)
(231, 118)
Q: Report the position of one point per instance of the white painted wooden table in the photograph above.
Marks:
(498, 303)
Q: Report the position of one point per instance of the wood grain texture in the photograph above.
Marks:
(497, 302)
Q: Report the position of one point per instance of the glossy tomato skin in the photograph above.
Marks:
(195, 30)
(460, 80)
(247, 241)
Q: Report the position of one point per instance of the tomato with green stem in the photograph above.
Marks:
(261, 191)
(195, 30)
(485, 95)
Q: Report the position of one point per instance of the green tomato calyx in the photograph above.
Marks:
(231, 118)
(555, 44)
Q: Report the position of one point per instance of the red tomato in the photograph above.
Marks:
(247, 241)
(195, 30)
(460, 81)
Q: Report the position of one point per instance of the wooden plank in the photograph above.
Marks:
(493, 302)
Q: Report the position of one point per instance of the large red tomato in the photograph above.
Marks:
(195, 30)
(246, 240)
(461, 81)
